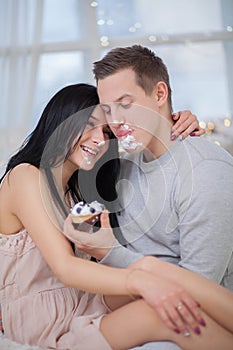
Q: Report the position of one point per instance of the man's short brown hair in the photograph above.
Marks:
(149, 68)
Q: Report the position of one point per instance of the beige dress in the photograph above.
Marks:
(37, 308)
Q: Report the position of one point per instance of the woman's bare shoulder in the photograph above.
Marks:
(24, 168)
(22, 173)
(15, 187)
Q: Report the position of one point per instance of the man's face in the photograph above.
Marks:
(131, 113)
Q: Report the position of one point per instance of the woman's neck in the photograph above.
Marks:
(62, 174)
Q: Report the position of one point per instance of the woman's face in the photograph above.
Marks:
(93, 143)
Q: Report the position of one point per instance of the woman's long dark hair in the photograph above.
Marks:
(49, 144)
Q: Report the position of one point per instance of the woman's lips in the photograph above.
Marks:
(88, 150)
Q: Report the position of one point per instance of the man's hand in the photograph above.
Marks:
(96, 244)
(186, 124)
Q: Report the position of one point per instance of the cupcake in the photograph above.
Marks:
(88, 213)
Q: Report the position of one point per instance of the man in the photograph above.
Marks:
(176, 198)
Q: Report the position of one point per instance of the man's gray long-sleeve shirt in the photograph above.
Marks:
(179, 208)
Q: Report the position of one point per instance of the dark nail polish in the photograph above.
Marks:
(192, 134)
(177, 330)
(202, 322)
(197, 330)
(173, 137)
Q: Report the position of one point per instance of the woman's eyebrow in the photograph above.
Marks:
(92, 117)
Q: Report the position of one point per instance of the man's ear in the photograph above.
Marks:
(161, 93)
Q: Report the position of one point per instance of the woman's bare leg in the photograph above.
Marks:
(215, 300)
(137, 323)
(116, 301)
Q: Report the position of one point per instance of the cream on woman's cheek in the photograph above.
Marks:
(88, 162)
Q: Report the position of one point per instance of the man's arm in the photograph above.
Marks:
(119, 256)
(206, 219)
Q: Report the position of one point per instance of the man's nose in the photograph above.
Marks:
(116, 125)
(115, 117)
(118, 121)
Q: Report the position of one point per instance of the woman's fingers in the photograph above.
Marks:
(104, 219)
(186, 315)
(186, 124)
(198, 132)
(96, 244)
(73, 234)
(177, 319)
(194, 307)
(180, 313)
(1, 325)
(164, 315)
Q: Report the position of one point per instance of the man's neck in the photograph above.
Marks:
(160, 142)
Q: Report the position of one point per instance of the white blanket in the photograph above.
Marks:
(6, 344)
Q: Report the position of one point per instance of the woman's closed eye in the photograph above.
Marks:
(106, 109)
(91, 124)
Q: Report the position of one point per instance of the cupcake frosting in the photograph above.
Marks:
(83, 209)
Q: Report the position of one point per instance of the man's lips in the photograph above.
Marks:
(123, 133)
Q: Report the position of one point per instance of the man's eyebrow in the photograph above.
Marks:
(117, 100)
(122, 97)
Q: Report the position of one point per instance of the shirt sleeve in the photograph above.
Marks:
(205, 212)
(120, 256)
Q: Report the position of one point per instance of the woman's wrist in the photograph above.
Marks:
(133, 282)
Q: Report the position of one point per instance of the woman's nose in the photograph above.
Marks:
(98, 136)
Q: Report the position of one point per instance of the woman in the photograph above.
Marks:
(52, 298)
